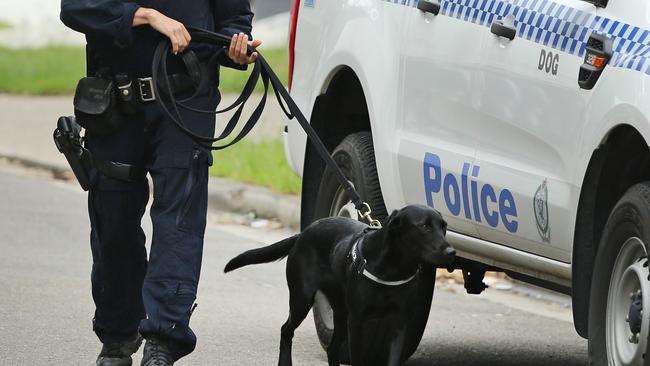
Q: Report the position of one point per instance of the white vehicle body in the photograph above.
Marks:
(480, 127)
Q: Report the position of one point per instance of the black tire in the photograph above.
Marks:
(355, 155)
(629, 219)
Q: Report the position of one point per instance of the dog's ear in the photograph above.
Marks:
(389, 219)
(395, 220)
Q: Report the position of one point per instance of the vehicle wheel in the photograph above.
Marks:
(355, 155)
(620, 290)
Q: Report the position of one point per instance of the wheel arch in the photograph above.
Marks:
(620, 160)
(339, 110)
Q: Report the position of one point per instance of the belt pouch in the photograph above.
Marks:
(127, 101)
(95, 106)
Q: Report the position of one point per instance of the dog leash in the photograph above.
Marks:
(261, 69)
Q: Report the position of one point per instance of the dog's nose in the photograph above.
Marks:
(450, 251)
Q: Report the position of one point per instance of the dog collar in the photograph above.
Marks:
(359, 263)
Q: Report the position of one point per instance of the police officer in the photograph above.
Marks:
(133, 297)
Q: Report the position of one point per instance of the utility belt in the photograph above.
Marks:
(102, 104)
(105, 102)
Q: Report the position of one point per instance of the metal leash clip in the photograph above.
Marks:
(366, 216)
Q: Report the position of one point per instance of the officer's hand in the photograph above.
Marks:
(239, 48)
(172, 29)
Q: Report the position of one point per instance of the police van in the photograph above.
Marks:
(524, 122)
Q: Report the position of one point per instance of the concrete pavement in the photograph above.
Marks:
(46, 306)
(267, 8)
(26, 126)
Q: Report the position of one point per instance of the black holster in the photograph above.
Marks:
(68, 140)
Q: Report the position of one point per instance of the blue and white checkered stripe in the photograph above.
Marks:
(556, 26)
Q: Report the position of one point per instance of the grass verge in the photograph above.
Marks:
(232, 81)
(56, 70)
(262, 163)
(51, 70)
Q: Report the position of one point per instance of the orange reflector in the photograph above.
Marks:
(599, 62)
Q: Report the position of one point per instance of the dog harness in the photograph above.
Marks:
(359, 264)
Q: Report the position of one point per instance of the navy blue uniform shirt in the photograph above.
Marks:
(114, 43)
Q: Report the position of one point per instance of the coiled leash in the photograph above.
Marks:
(261, 69)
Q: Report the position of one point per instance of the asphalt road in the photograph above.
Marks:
(46, 307)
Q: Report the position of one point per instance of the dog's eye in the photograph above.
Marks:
(426, 227)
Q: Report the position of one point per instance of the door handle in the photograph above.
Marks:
(503, 30)
(429, 7)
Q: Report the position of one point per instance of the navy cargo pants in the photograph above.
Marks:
(156, 296)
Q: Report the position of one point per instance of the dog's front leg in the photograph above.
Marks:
(397, 347)
(355, 340)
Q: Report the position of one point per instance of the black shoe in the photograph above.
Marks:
(119, 353)
(156, 353)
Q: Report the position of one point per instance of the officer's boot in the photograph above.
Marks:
(119, 353)
(156, 353)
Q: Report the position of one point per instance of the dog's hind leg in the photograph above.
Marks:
(300, 302)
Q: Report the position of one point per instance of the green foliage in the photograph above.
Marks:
(50, 70)
(232, 81)
(5, 25)
(261, 163)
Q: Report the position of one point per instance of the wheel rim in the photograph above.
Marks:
(629, 294)
(324, 309)
(341, 206)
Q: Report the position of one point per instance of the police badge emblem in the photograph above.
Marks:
(540, 206)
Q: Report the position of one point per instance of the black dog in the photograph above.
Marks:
(365, 273)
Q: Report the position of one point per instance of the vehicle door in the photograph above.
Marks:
(533, 114)
(437, 129)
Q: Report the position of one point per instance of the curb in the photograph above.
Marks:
(223, 194)
(231, 196)
(57, 171)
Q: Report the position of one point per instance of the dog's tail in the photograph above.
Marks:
(267, 254)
